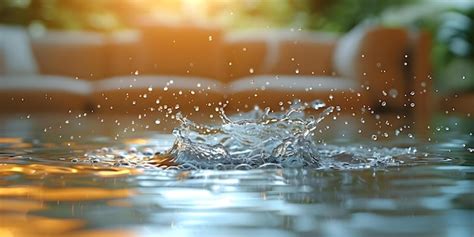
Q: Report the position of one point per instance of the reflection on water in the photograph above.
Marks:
(47, 190)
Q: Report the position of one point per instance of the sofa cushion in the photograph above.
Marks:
(282, 52)
(279, 91)
(71, 53)
(126, 54)
(147, 94)
(43, 93)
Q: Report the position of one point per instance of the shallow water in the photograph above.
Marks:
(51, 186)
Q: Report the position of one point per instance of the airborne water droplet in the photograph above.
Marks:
(260, 139)
(393, 93)
(318, 104)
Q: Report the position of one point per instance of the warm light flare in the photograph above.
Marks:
(64, 194)
(21, 226)
(39, 169)
(179, 10)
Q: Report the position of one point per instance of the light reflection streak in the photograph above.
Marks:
(40, 169)
(64, 194)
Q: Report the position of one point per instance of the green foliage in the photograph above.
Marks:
(343, 15)
(264, 13)
(62, 14)
(453, 49)
(331, 15)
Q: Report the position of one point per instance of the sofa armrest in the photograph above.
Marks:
(420, 80)
(392, 65)
(376, 57)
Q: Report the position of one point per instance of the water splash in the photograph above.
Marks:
(258, 139)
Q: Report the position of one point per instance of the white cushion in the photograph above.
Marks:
(347, 52)
(70, 38)
(125, 37)
(16, 56)
(280, 35)
(2, 62)
(158, 82)
(44, 83)
(292, 83)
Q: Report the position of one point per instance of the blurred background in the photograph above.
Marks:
(408, 57)
(451, 23)
(90, 91)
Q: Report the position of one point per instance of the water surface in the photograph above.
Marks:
(55, 186)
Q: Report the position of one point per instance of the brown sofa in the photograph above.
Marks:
(369, 68)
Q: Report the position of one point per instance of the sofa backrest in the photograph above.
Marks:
(182, 49)
(70, 53)
(281, 52)
(125, 53)
(378, 58)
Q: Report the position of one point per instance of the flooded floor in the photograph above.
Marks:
(48, 188)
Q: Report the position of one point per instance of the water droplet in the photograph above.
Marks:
(248, 141)
(317, 104)
(393, 93)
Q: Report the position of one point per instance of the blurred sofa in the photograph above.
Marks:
(23, 88)
(193, 69)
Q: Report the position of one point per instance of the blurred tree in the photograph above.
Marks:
(343, 15)
(453, 51)
(60, 14)
(332, 15)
